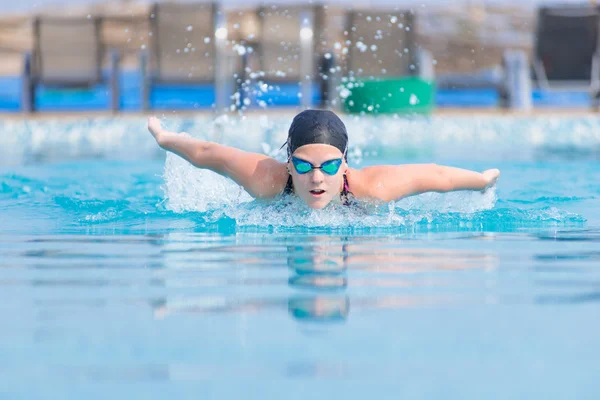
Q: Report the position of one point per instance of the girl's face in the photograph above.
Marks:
(316, 187)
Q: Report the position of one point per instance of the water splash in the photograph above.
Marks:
(218, 200)
(468, 138)
(188, 188)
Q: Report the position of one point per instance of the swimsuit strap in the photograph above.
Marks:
(346, 188)
(345, 192)
(289, 186)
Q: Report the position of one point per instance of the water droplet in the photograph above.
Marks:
(207, 40)
(241, 50)
(190, 28)
(413, 100)
(393, 19)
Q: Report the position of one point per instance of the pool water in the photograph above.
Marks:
(127, 273)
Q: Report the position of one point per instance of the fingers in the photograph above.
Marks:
(154, 124)
(491, 175)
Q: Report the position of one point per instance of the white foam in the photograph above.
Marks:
(465, 138)
(189, 189)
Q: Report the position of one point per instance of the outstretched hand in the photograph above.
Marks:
(491, 176)
(155, 129)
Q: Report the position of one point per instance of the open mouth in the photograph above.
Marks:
(317, 192)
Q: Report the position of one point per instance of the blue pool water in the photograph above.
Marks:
(125, 273)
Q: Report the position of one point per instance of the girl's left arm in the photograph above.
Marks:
(393, 182)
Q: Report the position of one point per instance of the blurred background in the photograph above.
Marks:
(382, 56)
(124, 269)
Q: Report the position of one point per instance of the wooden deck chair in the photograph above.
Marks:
(566, 52)
(184, 49)
(67, 53)
(281, 57)
(382, 44)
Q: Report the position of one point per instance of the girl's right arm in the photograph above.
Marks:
(259, 175)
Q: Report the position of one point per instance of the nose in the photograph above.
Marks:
(317, 176)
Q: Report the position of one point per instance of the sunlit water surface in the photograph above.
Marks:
(124, 273)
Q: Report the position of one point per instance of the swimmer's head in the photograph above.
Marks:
(317, 145)
(317, 126)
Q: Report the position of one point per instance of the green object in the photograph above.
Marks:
(408, 95)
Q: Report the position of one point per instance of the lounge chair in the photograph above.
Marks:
(67, 53)
(382, 44)
(566, 56)
(186, 49)
(285, 55)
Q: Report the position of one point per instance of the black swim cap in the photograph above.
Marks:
(317, 126)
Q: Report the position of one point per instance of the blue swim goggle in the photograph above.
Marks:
(330, 167)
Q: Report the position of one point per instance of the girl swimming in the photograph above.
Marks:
(316, 169)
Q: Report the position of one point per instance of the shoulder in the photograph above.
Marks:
(390, 171)
(384, 182)
(270, 177)
(260, 175)
(361, 182)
